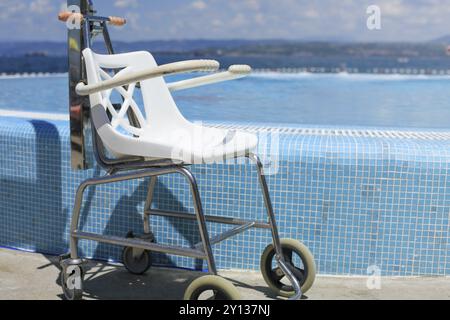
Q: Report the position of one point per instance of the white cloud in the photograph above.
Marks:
(253, 4)
(238, 20)
(126, 4)
(260, 18)
(133, 20)
(393, 8)
(9, 8)
(311, 13)
(403, 20)
(41, 6)
(217, 23)
(199, 5)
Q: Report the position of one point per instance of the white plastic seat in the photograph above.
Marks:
(162, 132)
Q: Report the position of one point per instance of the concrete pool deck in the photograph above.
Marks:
(27, 276)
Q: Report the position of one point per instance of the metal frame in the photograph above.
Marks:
(79, 106)
(132, 169)
(137, 168)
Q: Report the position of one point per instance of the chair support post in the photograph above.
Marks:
(201, 220)
(275, 234)
(148, 204)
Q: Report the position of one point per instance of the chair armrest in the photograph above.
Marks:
(149, 73)
(234, 72)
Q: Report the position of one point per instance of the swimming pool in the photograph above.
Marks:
(277, 98)
(362, 199)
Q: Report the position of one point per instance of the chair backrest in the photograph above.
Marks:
(161, 112)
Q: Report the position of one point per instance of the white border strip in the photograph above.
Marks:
(4, 76)
(34, 115)
(343, 132)
(426, 135)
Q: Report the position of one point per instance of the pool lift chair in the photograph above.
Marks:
(151, 144)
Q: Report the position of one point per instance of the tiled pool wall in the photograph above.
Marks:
(356, 198)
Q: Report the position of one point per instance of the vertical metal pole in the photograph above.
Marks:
(275, 234)
(148, 203)
(76, 221)
(79, 106)
(268, 203)
(200, 219)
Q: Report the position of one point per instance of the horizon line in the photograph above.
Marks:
(246, 40)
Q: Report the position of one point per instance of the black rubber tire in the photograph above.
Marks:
(306, 275)
(136, 266)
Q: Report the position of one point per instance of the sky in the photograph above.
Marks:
(343, 20)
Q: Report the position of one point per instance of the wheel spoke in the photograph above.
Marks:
(213, 297)
(299, 274)
(218, 295)
(288, 253)
(277, 274)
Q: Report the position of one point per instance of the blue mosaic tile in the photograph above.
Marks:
(354, 200)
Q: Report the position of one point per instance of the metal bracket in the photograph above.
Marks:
(79, 107)
(226, 235)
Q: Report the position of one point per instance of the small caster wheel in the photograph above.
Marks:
(72, 282)
(150, 237)
(63, 257)
(298, 258)
(211, 288)
(136, 261)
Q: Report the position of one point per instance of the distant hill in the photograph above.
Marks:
(445, 40)
(338, 49)
(315, 56)
(170, 46)
(435, 48)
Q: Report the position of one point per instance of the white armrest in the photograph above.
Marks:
(234, 72)
(145, 74)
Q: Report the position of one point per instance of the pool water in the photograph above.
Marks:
(305, 99)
